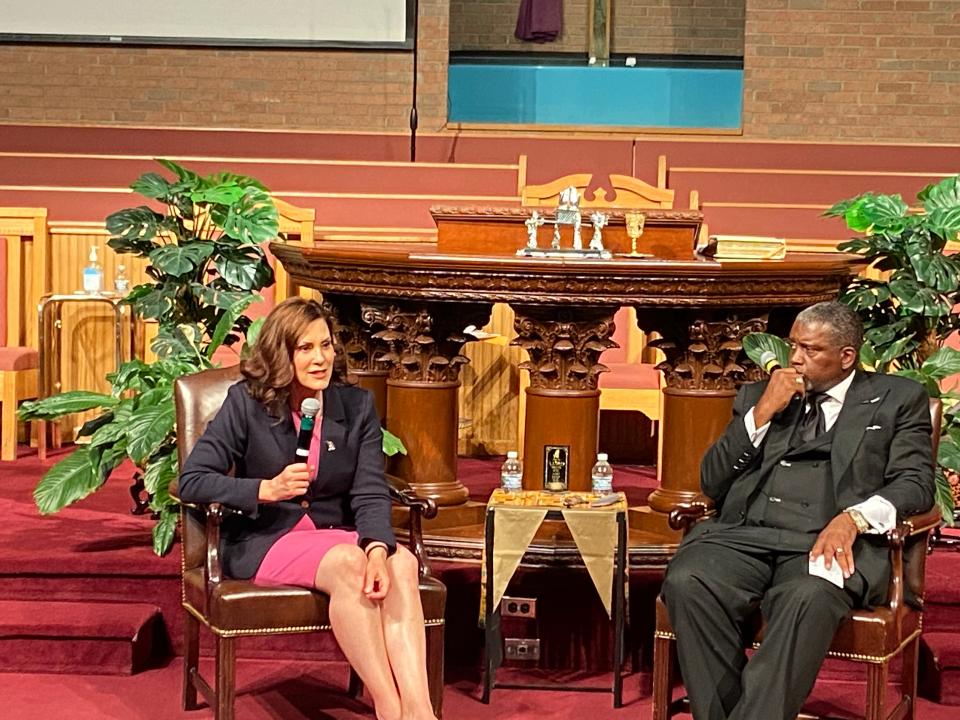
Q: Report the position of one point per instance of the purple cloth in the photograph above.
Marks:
(539, 20)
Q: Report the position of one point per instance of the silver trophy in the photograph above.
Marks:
(534, 222)
(599, 221)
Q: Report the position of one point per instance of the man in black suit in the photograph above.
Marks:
(816, 462)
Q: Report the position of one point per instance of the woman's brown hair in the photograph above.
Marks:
(269, 369)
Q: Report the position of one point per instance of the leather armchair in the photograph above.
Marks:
(874, 637)
(237, 608)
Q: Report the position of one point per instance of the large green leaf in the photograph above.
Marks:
(936, 271)
(244, 269)
(943, 494)
(227, 321)
(133, 229)
(182, 340)
(876, 211)
(148, 429)
(942, 364)
(62, 404)
(943, 195)
(155, 303)
(159, 472)
(71, 479)
(151, 185)
(164, 530)
(181, 259)
(392, 444)
(253, 219)
(756, 344)
(864, 296)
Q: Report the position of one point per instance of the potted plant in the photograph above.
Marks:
(907, 312)
(206, 264)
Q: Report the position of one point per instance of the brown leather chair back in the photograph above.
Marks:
(915, 548)
(198, 398)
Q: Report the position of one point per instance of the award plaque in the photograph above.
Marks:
(556, 466)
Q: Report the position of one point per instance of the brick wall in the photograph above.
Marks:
(853, 69)
(814, 69)
(688, 27)
(218, 87)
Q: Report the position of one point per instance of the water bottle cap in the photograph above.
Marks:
(512, 455)
(601, 457)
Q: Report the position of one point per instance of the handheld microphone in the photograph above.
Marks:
(309, 409)
(769, 361)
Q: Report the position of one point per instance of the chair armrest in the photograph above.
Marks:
(910, 527)
(419, 507)
(685, 516)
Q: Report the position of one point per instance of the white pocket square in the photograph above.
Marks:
(874, 427)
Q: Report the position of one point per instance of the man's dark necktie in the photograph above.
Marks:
(813, 422)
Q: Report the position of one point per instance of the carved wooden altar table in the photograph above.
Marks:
(402, 308)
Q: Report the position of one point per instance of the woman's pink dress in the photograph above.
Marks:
(294, 558)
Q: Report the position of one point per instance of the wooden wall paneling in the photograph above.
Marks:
(489, 390)
(87, 332)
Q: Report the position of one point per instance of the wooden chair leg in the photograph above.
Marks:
(435, 667)
(191, 661)
(355, 685)
(911, 657)
(877, 674)
(226, 678)
(8, 421)
(663, 659)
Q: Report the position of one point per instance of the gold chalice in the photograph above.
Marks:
(634, 221)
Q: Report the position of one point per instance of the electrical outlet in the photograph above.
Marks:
(519, 607)
(521, 648)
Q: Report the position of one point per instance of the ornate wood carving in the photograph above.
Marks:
(564, 345)
(356, 326)
(423, 343)
(706, 354)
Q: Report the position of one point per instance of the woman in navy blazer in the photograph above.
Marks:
(323, 524)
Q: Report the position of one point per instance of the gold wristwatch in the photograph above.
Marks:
(859, 520)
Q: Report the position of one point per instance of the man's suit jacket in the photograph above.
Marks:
(881, 446)
(243, 445)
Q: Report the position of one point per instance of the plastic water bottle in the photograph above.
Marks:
(511, 473)
(93, 274)
(601, 476)
(121, 284)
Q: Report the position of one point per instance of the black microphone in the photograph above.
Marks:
(308, 413)
(769, 361)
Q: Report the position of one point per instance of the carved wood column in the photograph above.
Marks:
(356, 326)
(703, 369)
(563, 403)
(423, 343)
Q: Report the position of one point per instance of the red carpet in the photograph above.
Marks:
(60, 574)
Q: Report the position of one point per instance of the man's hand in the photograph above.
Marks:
(784, 384)
(376, 579)
(292, 482)
(835, 542)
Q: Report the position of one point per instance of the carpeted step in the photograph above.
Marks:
(94, 638)
(940, 667)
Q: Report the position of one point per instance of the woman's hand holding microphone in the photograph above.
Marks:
(291, 482)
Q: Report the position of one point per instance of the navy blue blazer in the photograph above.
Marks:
(243, 445)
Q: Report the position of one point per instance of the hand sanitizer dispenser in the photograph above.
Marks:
(93, 274)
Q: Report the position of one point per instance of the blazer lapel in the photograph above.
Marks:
(333, 433)
(285, 436)
(859, 406)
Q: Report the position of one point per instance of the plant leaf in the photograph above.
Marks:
(943, 495)
(756, 344)
(147, 429)
(942, 364)
(62, 404)
(227, 321)
(164, 530)
(181, 259)
(71, 479)
(392, 444)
